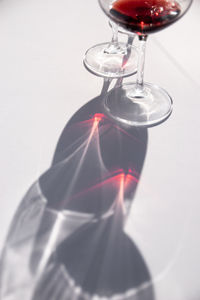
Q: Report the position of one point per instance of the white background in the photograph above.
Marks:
(43, 83)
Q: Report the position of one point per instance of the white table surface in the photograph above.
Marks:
(43, 83)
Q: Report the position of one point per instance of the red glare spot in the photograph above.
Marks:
(119, 178)
(130, 178)
(114, 180)
(122, 176)
(98, 117)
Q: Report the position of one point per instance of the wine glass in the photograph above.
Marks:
(112, 59)
(139, 103)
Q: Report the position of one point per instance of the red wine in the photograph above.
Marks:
(145, 16)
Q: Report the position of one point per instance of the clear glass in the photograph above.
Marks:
(140, 103)
(112, 59)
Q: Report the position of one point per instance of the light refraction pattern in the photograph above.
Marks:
(67, 240)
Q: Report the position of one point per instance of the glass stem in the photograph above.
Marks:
(141, 61)
(113, 47)
(115, 33)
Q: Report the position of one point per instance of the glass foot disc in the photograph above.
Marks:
(128, 105)
(111, 65)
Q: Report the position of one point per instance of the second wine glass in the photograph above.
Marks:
(112, 59)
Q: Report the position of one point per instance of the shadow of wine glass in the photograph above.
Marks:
(99, 258)
(91, 154)
(67, 237)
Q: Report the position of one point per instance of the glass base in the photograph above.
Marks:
(107, 61)
(132, 106)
